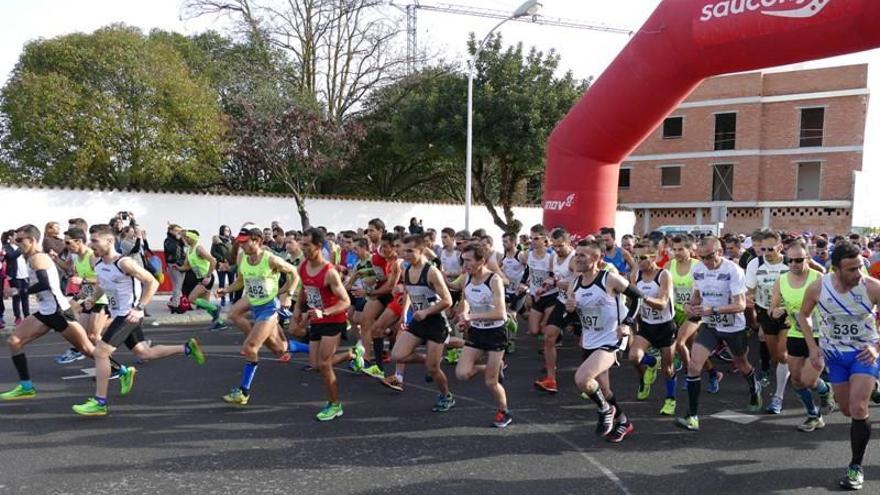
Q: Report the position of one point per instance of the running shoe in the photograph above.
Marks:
(195, 351)
(755, 401)
(357, 364)
(547, 384)
(393, 383)
(330, 412)
(714, 384)
(375, 371)
(826, 403)
(18, 393)
(452, 355)
(605, 422)
(91, 407)
(444, 403)
(644, 391)
(69, 356)
(812, 423)
(502, 419)
(668, 408)
(690, 423)
(677, 364)
(237, 397)
(650, 375)
(854, 478)
(126, 379)
(775, 406)
(620, 431)
(218, 325)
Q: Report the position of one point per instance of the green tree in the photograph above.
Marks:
(114, 108)
(416, 130)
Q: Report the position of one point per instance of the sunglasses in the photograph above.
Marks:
(644, 257)
(767, 250)
(796, 260)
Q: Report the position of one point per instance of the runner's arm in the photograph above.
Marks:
(662, 300)
(281, 266)
(444, 299)
(630, 261)
(804, 317)
(776, 299)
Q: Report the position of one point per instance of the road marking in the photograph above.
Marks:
(736, 417)
(86, 373)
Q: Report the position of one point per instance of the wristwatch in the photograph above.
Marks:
(139, 307)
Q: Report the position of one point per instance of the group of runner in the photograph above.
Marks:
(668, 304)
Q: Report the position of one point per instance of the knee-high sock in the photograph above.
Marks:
(782, 375)
(21, 366)
(859, 434)
(693, 384)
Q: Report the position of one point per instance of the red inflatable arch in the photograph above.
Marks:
(683, 43)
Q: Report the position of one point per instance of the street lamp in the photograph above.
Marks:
(529, 8)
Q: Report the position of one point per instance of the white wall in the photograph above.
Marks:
(205, 213)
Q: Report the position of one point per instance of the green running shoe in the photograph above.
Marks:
(691, 423)
(650, 375)
(358, 361)
(854, 478)
(19, 393)
(375, 371)
(668, 408)
(237, 397)
(330, 412)
(90, 407)
(195, 351)
(444, 403)
(755, 402)
(644, 391)
(452, 355)
(126, 379)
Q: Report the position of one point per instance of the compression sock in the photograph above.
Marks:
(693, 384)
(247, 377)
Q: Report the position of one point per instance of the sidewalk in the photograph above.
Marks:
(157, 309)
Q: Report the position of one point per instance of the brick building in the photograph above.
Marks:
(754, 150)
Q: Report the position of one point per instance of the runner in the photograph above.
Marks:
(787, 298)
(563, 274)
(427, 294)
(516, 273)
(542, 287)
(202, 264)
(719, 298)
(53, 311)
(617, 256)
(761, 275)
(121, 279)
(323, 304)
(596, 297)
(482, 316)
(656, 326)
(258, 273)
(848, 344)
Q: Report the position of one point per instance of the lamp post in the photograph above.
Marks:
(529, 8)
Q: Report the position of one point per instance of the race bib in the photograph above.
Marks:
(113, 301)
(255, 289)
(590, 320)
(537, 278)
(719, 320)
(313, 298)
(648, 313)
(419, 302)
(682, 297)
(846, 328)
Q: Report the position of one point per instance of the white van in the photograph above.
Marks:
(711, 229)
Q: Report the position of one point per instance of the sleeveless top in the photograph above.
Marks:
(539, 270)
(421, 295)
(51, 300)
(846, 321)
(318, 295)
(562, 272)
(481, 300)
(82, 265)
(450, 263)
(123, 291)
(617, 260)
(793, 299)
(599, 312)
(651, 288)
(260, 281)
(682, 285)
(513, 269)
(198, 264)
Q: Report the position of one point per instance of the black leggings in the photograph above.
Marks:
(20, 305)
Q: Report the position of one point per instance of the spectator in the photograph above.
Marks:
(17, 272)
(221, 248)
(175, 258)
(415, 226)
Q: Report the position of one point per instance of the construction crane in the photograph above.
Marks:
(412, 9)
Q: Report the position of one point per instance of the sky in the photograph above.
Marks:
(586, 53)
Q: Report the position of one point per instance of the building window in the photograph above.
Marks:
(809, 180)
(623, 179)
(812, 126)
(725, 131)
(670, 176)
(673, 128)
(722, 182)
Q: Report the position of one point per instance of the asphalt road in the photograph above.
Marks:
(174, 434)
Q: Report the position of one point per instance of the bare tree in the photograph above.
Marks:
(343, 48)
